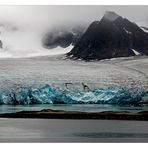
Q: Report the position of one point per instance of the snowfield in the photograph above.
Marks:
(55, 70)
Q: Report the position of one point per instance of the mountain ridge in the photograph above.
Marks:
(111, 37)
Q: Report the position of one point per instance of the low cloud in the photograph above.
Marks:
(23, 27)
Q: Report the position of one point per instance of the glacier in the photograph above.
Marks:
(117, 81)
(51, 95)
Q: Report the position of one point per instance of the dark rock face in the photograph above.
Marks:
(62, 38)
(112, 36)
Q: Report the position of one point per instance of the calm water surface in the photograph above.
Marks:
(73, 107)
(54, 130)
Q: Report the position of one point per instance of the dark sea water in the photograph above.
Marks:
(54, 130)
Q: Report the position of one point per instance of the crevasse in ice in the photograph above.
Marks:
(51, 95)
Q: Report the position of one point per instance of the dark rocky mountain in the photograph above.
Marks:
(113, 36)
(62, 37)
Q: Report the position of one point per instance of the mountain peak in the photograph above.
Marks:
(111, 37)
(110, 15)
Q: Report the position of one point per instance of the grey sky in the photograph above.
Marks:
(48, 16)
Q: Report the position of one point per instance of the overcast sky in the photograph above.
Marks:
(46, 16)
(33, 21)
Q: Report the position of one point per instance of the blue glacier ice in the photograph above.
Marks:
(52, 95)
(6, 98)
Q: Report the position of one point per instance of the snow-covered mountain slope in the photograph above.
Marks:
(18, 42)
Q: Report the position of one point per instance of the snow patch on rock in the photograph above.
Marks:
(135, 52)
(144, 29)
(128, 32)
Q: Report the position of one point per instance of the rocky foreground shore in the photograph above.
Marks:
(61, 114)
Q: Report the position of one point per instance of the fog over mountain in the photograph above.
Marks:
(23, 27)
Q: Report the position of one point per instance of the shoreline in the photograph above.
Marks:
(61, 114)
